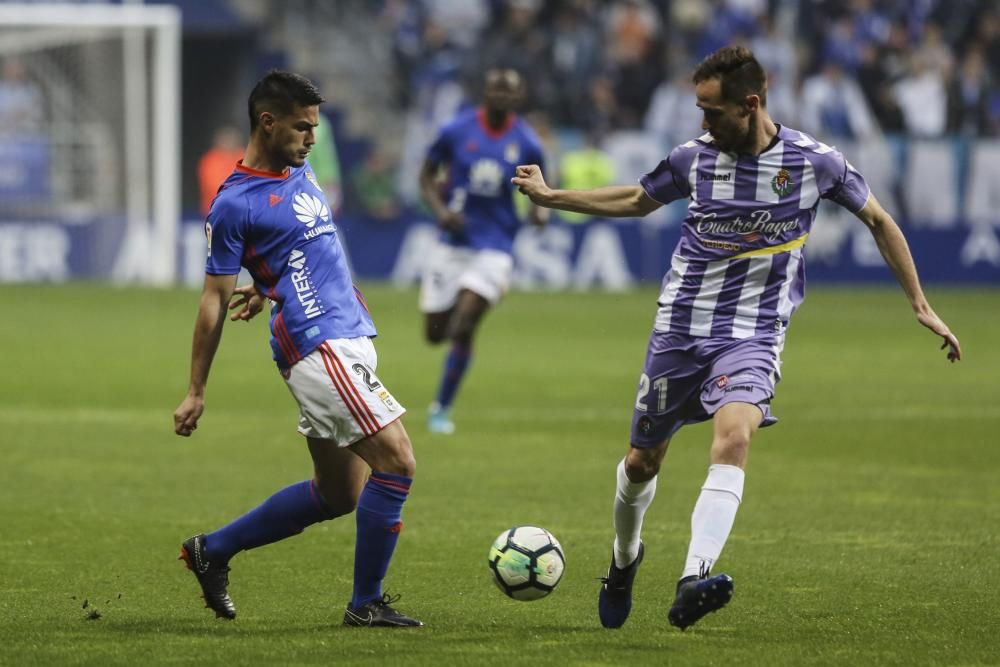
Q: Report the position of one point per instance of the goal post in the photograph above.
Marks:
(90, 107)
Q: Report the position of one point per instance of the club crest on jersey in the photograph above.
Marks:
(311, 177)
(512, 153)
(782, 183)
(310, 209)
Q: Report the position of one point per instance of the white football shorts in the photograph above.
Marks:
(449, 270)
(340, 398)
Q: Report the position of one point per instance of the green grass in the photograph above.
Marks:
(868, 532)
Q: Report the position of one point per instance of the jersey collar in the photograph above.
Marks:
(490, 132)
(261, 173)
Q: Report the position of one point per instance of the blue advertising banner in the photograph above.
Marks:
(601, 254)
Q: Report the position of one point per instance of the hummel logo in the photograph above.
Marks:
(274, 199)
(702, 176)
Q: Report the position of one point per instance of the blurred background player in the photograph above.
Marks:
(271, 218)
(736, 277)
(470, 269)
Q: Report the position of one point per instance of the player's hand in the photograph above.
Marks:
(187, 414)
(250, 302)
(528, 179)
(452, 221)
(930, 320)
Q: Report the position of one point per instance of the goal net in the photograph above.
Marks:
(89, 142)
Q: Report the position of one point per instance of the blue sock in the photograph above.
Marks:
(378, 514)
(455, 365)
(288, 512)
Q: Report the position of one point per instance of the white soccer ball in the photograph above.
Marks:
(527, 562)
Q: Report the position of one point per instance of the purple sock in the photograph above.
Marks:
(288, 512)
(378, 514)
(455, 365)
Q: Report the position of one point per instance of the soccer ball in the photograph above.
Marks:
(527, 562)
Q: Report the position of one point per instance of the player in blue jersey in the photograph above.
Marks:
(470, 269)
(271, 218)
(735, 279)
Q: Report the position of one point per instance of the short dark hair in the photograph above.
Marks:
(738, 72)
(279, 92)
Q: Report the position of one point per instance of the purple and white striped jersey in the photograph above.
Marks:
(738, 268)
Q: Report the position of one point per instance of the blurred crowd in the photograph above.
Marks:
(840, 69)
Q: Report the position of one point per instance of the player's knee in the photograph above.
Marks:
(337, 500)
(401, 463)
(640, 466)
(730, 447)
(435, 333)
(461, 331)
(398, 459)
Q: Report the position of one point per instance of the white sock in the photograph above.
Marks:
(713, 517)
(632, 499)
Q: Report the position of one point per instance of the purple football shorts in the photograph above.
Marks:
(686, 379)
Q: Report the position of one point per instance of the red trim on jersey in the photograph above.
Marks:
(282, 331)
(282, 340)
(361, 298)
(347, 379)
(282, 345)
(490, 132)
(325, 353)
(262, 173)
(256, 263)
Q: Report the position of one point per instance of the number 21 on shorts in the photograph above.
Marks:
(659, 388)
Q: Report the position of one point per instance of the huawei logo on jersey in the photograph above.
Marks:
(310, 209)
(486, 177)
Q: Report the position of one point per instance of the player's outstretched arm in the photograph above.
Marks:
(615, 201)
(207, 333)
(892, 244)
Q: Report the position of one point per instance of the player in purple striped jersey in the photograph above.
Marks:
(271, 218)
(735, 278)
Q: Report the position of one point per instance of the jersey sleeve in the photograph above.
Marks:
(841, 183)
(226, 229)
(440, 151)
(668, 181)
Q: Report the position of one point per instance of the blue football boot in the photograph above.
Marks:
(439, 420)
(615, 599)
(698, 596)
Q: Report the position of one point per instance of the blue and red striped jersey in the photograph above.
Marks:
(279, 227)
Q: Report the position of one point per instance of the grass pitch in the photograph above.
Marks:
(868, 532)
